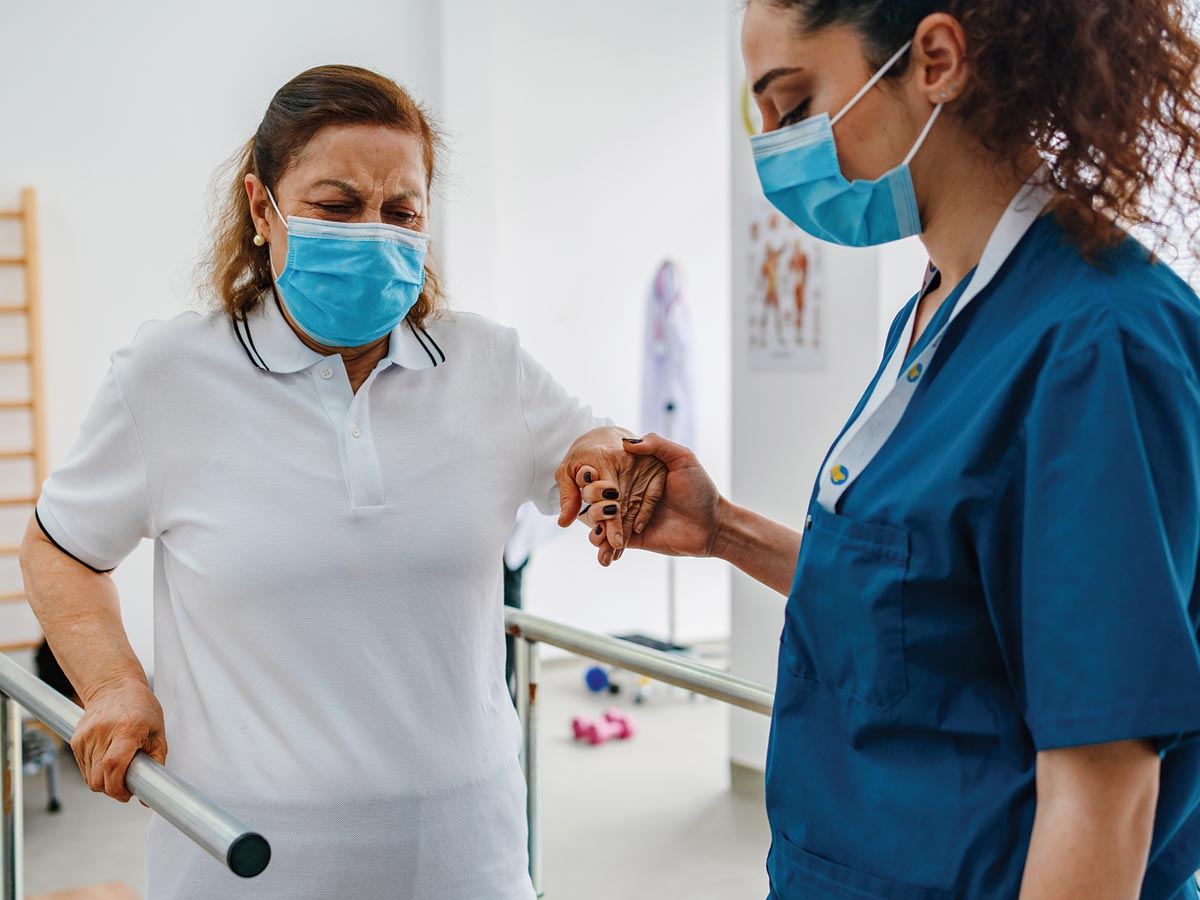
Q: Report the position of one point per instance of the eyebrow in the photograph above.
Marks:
(763, 83)
(352, 191)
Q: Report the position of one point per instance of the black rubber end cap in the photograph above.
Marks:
(248, 855)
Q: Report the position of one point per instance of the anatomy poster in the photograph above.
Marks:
(785, 292)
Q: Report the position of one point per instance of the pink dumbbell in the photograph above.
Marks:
(615, 725)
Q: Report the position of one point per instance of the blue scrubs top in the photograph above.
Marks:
(1015, 571)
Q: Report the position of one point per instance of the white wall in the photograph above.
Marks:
(119, 112)
(589, 141)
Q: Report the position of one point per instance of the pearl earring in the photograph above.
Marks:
(943, 95)
(259, 240)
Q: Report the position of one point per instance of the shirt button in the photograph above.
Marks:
(355, 431)
(808, 524)
(326, 372)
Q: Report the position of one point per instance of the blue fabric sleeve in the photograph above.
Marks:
(1090, 552)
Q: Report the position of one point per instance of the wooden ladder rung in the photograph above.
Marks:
(10, 214)
(16, 454)
(17, 501)
(12, 597)
(14, 357)
(16, 404)
(20, 645)
(12, 260)
(13, 309)
(10, 551)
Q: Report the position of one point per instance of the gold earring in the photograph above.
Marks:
(259, 240)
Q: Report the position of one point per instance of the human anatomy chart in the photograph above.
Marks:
(785, 293)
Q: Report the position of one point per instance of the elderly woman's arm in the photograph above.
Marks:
(80, 613)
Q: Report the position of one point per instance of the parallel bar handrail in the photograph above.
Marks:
(244, 851)
(665, 667)
(531, 631)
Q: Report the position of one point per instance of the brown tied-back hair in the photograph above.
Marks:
(238, 272)
(1104, 90)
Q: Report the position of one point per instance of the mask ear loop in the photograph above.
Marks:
(271, 197)
(874, 81)
(937, 111)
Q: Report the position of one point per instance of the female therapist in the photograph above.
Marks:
(989, 683)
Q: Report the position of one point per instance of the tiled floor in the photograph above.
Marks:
(646, 819)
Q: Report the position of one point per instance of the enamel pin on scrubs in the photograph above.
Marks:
(896, 387)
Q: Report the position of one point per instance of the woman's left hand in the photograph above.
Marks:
(595, 468)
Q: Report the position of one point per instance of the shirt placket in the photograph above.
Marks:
(350, 414)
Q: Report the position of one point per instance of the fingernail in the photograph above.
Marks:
(632, 440)
(612, 494)
(587, 478)
(607, 558)
(617, 555)
(611, 510)
(599, 529)
(639, 528)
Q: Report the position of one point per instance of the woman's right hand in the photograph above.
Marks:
(687, 519)
(117, 722)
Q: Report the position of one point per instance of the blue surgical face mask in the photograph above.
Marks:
(799, 170)
(349, 283)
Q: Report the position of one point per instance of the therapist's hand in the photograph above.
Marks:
(609, 490)
(118, 721)
(687, 520)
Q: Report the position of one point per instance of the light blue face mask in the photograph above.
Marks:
(799, 170)
(349, 283)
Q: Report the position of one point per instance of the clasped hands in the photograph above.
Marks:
(638, 493)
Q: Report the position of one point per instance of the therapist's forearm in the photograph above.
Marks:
(80, 613)
(760, 547)
(1094, 822)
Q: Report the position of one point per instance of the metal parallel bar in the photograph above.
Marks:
(243, 851)
(679, 671)
(12, 833)
(534, 781)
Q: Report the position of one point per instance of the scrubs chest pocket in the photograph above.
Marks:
(844, 626)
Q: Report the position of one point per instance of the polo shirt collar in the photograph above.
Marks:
(272, 345)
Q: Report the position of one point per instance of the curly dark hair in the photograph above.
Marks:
(1104, 90)
(238, 272)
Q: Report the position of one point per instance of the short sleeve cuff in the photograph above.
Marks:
(1162, 721)
(58, 536)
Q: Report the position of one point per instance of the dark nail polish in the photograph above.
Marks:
(611, 510)
(612, 494)
(632, 440)
(587, 478)
(599, 529)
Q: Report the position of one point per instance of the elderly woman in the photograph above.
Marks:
(329, 466)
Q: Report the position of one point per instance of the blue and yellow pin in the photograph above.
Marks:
(915, 372)
(839, 474)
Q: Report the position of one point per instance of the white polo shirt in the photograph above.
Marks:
(329, 646)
